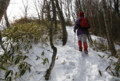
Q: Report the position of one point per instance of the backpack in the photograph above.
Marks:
(84, 23)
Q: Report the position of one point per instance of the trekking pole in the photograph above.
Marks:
(74, 41)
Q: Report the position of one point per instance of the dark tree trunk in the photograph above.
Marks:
(48, 72)
(62, 20)
(42, 13)
(68, 3)
(108, 31)
(48, 10)
(116, 5)
(79, 5)
(3, 7)
(37, 10)
(7, 22)
(55, 18)
(1, 43)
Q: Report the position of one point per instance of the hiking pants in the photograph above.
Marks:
(82, 39)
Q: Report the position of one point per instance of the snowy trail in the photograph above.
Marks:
(78, 67)
(70, 64)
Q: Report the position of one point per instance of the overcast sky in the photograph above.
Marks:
(15, 9)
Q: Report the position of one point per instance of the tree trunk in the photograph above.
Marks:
(56, 24)
(26, 7)
(98, 19)
(3, 7)
(48, 11)
(62, 20)
(7, 22)
(1, 43)
(37, 9)
(116, 5)
(108, 31)
(79, 5)
(48, 72)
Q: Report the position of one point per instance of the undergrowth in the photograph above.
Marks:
(18, 41)
(114, 66)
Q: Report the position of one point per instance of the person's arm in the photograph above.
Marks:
(76, 25)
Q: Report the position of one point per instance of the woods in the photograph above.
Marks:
(50, 25)
(102, 19)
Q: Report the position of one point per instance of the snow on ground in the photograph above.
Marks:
(71, 65)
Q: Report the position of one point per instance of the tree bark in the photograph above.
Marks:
(62, 20)
(48, 72)
(48, 10)
(116, 5)
(1, 43)
(79, 5)
(3, 7)
(108, 31)
(37, 9)
(26, 7)
(55, 18)
(7, 22)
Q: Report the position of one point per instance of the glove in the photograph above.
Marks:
(74, 31)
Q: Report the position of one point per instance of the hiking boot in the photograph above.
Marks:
(80, 50)
(86, 52)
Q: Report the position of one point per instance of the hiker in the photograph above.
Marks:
(82, 26)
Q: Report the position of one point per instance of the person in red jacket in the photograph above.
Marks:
(82, 32)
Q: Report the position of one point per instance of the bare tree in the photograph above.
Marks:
(26, 8)
(116, 5)
(46, 10)
(1, 43)
(62, 20)
(7, 21)
(38, 5)
(67, 11)
(108, 31)
(48, 72)
(3, 7)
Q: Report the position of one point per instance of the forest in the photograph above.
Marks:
(41, 44)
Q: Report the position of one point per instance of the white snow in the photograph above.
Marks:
(71, 64)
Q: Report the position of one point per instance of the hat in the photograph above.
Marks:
(81, 14)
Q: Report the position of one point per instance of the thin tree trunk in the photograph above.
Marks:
(100, 30)
(56, 27)
(3, 7)
(1, 43)
(116, 5)
(37, 9)
(79, 3)
(48, 10)
(62, 20)
(7, 22)
(48, 72)
(108, 31)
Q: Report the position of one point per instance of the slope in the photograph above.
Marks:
(70, 65)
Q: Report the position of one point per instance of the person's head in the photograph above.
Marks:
(81, 14)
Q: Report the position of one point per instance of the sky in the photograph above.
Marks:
(15, 9)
